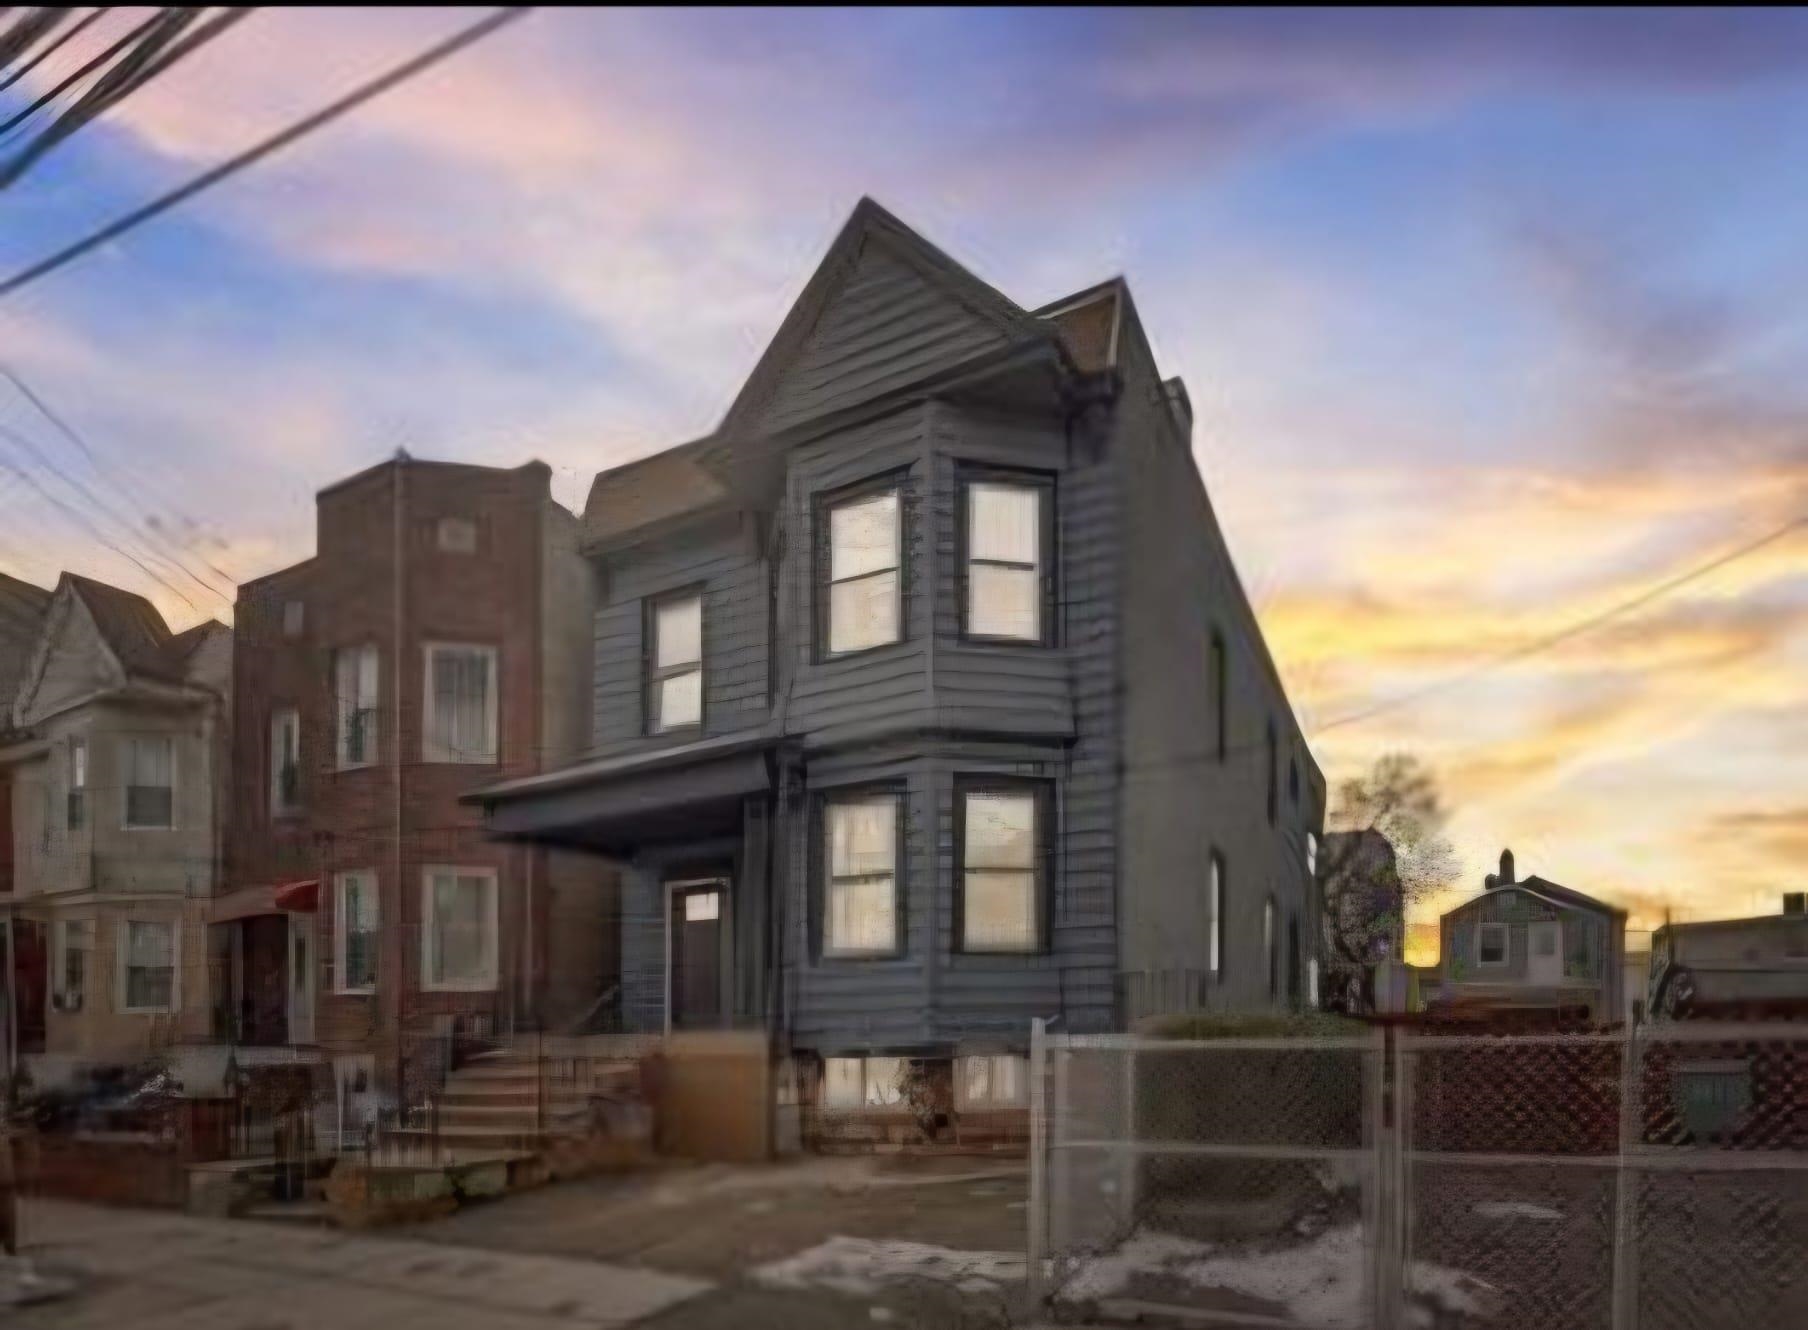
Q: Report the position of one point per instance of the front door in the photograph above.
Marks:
(696, 943)
(301, 979)
(1544, 964)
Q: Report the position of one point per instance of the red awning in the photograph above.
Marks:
(300, 896)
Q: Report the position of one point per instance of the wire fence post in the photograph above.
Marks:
(1038, 1235)
(1625, 1231)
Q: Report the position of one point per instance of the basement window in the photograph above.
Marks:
(857, 1082)
(991, 1081)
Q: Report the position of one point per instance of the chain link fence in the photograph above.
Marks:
(1656, 1180)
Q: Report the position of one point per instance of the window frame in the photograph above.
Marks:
(126, 786)
(823, 506)
(968, 474)
(652, 674)
(75, 795)
(853, 794)
(294, 614)
(454, 522)
(342, 717)
(432, 751)
(122, 943)
(865, 1060)
(368, 877)
(1506, 943)
(278, 808)
(1042, 791)
(490, 981)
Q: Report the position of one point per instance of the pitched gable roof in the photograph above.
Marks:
(22, 609)
(932, 308)
(640, 495)
(130, 626)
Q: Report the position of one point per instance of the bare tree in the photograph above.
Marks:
(1385, 850)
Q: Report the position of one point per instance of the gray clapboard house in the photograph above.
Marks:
(927, 699)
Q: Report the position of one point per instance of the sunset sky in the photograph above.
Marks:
(1491, 321)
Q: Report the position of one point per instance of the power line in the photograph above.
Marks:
(232, 165)
(1562, 635)
(25, 67)
(68, 431)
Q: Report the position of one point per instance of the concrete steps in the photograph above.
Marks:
(519, 1097)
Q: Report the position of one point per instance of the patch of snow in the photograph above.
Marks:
(1320, 1282)
(1516, 1210)
(861, 1266)
(1143, 1252)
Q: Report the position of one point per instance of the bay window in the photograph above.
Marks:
(460, 704)
(860, 883)
(1006, 566)
(355, 697)
(355, 932)
(1001, 865)
(147, 965)
(863, 603)
(458, 929)
(150, 764)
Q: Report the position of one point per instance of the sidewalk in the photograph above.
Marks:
(157, 1271)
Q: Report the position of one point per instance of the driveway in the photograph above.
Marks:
(157, 1271)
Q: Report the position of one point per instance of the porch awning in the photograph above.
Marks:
(267, 898)
(614, 805)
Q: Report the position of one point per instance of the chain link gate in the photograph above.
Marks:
(1655, 1180)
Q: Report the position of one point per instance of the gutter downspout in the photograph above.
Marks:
(398, 969)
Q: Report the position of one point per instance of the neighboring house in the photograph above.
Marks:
(116, 771)
(1362, 915)
(927, 699)
(1531, 951)
(437, 641)
(1730, 967)
(22, 607)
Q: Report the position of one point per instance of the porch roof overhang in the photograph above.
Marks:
(266, 898)
(616, 805)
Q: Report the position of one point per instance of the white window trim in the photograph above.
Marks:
(1506, 945)
(342, 717)
(1214, 890)
(657, 674)
(433, 752)
(369, 877)
(125, 800)
(122, 934)
(485, 983)
(277, 807)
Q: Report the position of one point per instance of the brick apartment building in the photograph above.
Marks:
(437, 640)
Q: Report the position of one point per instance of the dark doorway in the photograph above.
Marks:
(264, 994)
(696, 931)
(31, 980)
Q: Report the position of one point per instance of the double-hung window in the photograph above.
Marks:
(285, 761)
(1006, 570)
(461, 704)
(458, 929)
(355, 931)
(1002, 865)
(675, 663)
(147, 965)
(1491, 944)
(864, 599)
(150, 783)
(355, 696)
(860, 879)
(76, 811)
